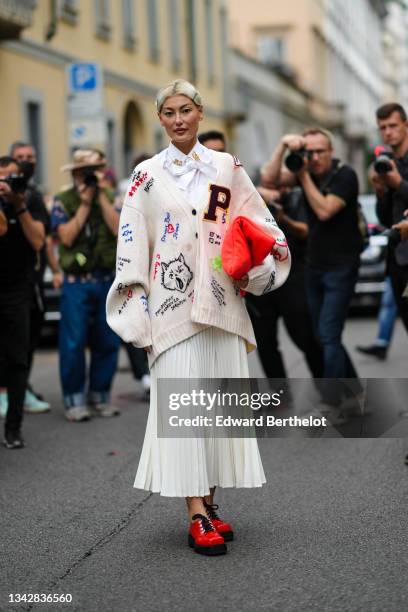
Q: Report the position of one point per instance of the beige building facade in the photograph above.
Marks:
(140, 46)
(329, 49)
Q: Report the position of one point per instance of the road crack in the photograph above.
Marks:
(123, 523)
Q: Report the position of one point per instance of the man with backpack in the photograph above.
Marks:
(330, 192)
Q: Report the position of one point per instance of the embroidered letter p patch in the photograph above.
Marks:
(219, 198)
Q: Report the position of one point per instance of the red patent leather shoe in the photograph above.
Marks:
(204, 538)
(223, 528)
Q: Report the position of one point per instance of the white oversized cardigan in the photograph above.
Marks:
(169, 281)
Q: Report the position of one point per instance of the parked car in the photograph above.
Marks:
(52, 306)
(370, 284)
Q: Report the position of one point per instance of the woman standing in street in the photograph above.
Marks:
(172, 297)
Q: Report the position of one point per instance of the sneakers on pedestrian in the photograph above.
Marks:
(13, 440)
(145, 382)
(77, 414)
(33, 405)
(374, 350)
(3, 404)
(105, 410)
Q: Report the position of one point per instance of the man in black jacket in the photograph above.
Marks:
(23, 238)
(392, 196)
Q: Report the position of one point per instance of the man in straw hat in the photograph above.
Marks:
(86, 225)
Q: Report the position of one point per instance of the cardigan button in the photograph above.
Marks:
(196, 235)
(194, 212)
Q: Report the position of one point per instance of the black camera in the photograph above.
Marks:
(296, 160)
(16, 182)
(90, 179)
(383, 158)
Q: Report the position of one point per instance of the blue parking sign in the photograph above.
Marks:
(83, 77)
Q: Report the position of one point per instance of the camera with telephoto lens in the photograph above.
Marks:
(296, 160)
(16, 182)
(383, 157)
(90, 179)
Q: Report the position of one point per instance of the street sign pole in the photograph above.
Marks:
(86, 112)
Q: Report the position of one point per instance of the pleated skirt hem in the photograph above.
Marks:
(187, 467)
(201, 492)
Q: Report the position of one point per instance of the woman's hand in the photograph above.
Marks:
(242, 282)
(148, 349)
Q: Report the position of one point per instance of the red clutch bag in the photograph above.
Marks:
(245, 245)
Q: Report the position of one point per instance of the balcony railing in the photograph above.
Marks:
(15, 15)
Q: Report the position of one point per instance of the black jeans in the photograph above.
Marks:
(138, 360)
(290, 303)
(14, 349)
(37, 311)
(329, 294)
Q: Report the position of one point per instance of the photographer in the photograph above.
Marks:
(289, 301)
(23, 238)
(330, 191)
(391, 188)
(86, 224)
(25, 155)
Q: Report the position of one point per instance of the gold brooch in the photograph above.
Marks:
(195, 156)
(178, 162)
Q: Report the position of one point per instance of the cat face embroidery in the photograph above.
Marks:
(176, 275)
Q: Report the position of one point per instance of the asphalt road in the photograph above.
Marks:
(326, 533)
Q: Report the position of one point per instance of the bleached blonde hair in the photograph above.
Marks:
(178, 87)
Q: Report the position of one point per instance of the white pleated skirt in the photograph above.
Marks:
(188, 467)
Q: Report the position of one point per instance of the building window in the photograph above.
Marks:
(271, 49)
(110, 143)
(102, 19)
(191, 40)
(128, 18)
(152, 29)
(174, 31)
(69, 11)
(209, 40)
(33, 129)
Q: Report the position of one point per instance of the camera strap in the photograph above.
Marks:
(361, 220)
(333, 172)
